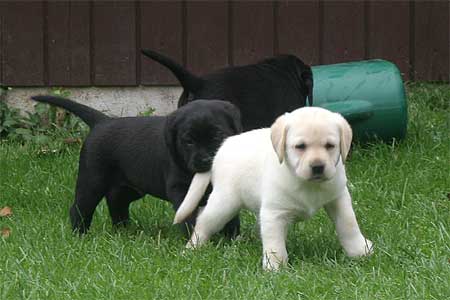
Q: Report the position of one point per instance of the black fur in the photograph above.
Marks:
(261, 91)
(123, 159)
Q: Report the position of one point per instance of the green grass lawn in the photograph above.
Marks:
(400, 194)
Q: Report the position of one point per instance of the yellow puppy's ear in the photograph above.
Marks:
(346, 136)
(278, 136)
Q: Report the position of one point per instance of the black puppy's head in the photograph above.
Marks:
(195, 131)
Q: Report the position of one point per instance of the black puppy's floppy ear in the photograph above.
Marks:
(170, 137)
(233, 117)
(236, 122)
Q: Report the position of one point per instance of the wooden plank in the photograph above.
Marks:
(207, 36)
(389, 33)
(298, 29)
(114, 46)
(160, 30)
(252, 31)
(23, 43)
(343, 31)
(69, 43)
(431, 40)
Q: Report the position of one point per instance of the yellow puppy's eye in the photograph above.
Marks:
(329, 146)
(301, 146)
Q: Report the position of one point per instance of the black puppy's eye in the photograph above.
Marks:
(301, 146)
(329, 146)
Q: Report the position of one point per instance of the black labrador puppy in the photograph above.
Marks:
(261, 91)
(124, 159)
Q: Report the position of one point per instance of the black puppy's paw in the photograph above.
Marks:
(80, 223)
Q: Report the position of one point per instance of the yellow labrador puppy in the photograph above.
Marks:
(283, 174)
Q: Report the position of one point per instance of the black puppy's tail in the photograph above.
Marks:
(89, 115)
(189, 81)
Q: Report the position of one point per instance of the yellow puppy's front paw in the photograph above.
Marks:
(359, 248)
(189, 245)
(194, 242)
(272, 262)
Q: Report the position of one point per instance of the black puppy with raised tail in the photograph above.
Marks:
(262, 91)
(124, 159)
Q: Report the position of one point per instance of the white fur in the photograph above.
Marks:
(263, 171)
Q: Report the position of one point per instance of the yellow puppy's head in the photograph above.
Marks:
(311, 141)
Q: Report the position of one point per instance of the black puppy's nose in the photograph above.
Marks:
(317, 169)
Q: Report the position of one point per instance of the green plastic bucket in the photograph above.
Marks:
(369, 94)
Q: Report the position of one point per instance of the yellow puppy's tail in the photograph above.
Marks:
(197, 189)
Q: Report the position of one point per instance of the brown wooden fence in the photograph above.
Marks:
(84, 43)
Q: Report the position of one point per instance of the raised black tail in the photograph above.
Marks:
(89, 115)
(189, 81)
